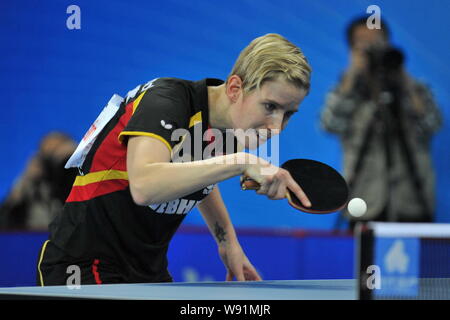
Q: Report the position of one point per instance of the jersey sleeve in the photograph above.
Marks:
(158, 112)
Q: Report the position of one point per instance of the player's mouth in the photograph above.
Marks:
(262, 135)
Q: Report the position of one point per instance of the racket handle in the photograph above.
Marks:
(249, 184)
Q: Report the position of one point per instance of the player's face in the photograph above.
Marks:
(269, 108)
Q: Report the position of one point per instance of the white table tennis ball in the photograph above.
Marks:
(357, 207)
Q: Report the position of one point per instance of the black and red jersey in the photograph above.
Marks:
(100, 218)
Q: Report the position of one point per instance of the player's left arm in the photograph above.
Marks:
(219, 223)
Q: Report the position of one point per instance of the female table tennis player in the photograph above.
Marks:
(130, 196)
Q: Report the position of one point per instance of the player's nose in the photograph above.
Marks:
(275, 123)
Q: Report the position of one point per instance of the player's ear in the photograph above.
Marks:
(234, 88)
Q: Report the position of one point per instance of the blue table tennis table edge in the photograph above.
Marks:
(340, 289)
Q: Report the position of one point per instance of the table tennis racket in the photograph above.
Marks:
(326, 189)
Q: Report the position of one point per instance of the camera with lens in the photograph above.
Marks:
(56, 176)
(385, 59)
(385, 64)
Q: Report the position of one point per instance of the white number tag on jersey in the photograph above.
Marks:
(78, 157)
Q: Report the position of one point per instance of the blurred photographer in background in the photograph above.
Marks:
(40, 192)
(385, 120)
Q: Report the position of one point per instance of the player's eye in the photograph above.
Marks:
(288, 114)
(270, 107)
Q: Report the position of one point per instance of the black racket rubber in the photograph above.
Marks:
(323, 185)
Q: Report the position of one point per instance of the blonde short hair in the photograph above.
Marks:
(269, 57)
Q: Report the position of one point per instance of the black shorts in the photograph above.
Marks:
(56, 268)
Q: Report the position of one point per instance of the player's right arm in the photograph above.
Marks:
(154, 179)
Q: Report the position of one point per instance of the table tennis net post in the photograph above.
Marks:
(402, 261)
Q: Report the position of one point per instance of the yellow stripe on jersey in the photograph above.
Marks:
(137, 101)
(196, 118)
(148, 134)
(41, 278)
(100, 176)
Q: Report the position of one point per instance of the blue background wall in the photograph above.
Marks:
(55, 78)
(277, 255)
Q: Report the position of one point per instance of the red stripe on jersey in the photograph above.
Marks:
(95, 271)
(96, 189)
(111, 154)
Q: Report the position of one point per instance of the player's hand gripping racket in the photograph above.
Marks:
(326, 189)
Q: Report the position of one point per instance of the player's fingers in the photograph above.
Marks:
(281, 192)
(252, 275)
(239, 273)
(299, 193)
(265, 185)
(240, 277)
(256, 277)
(229, 276)
(262, 189)
(273, 190)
